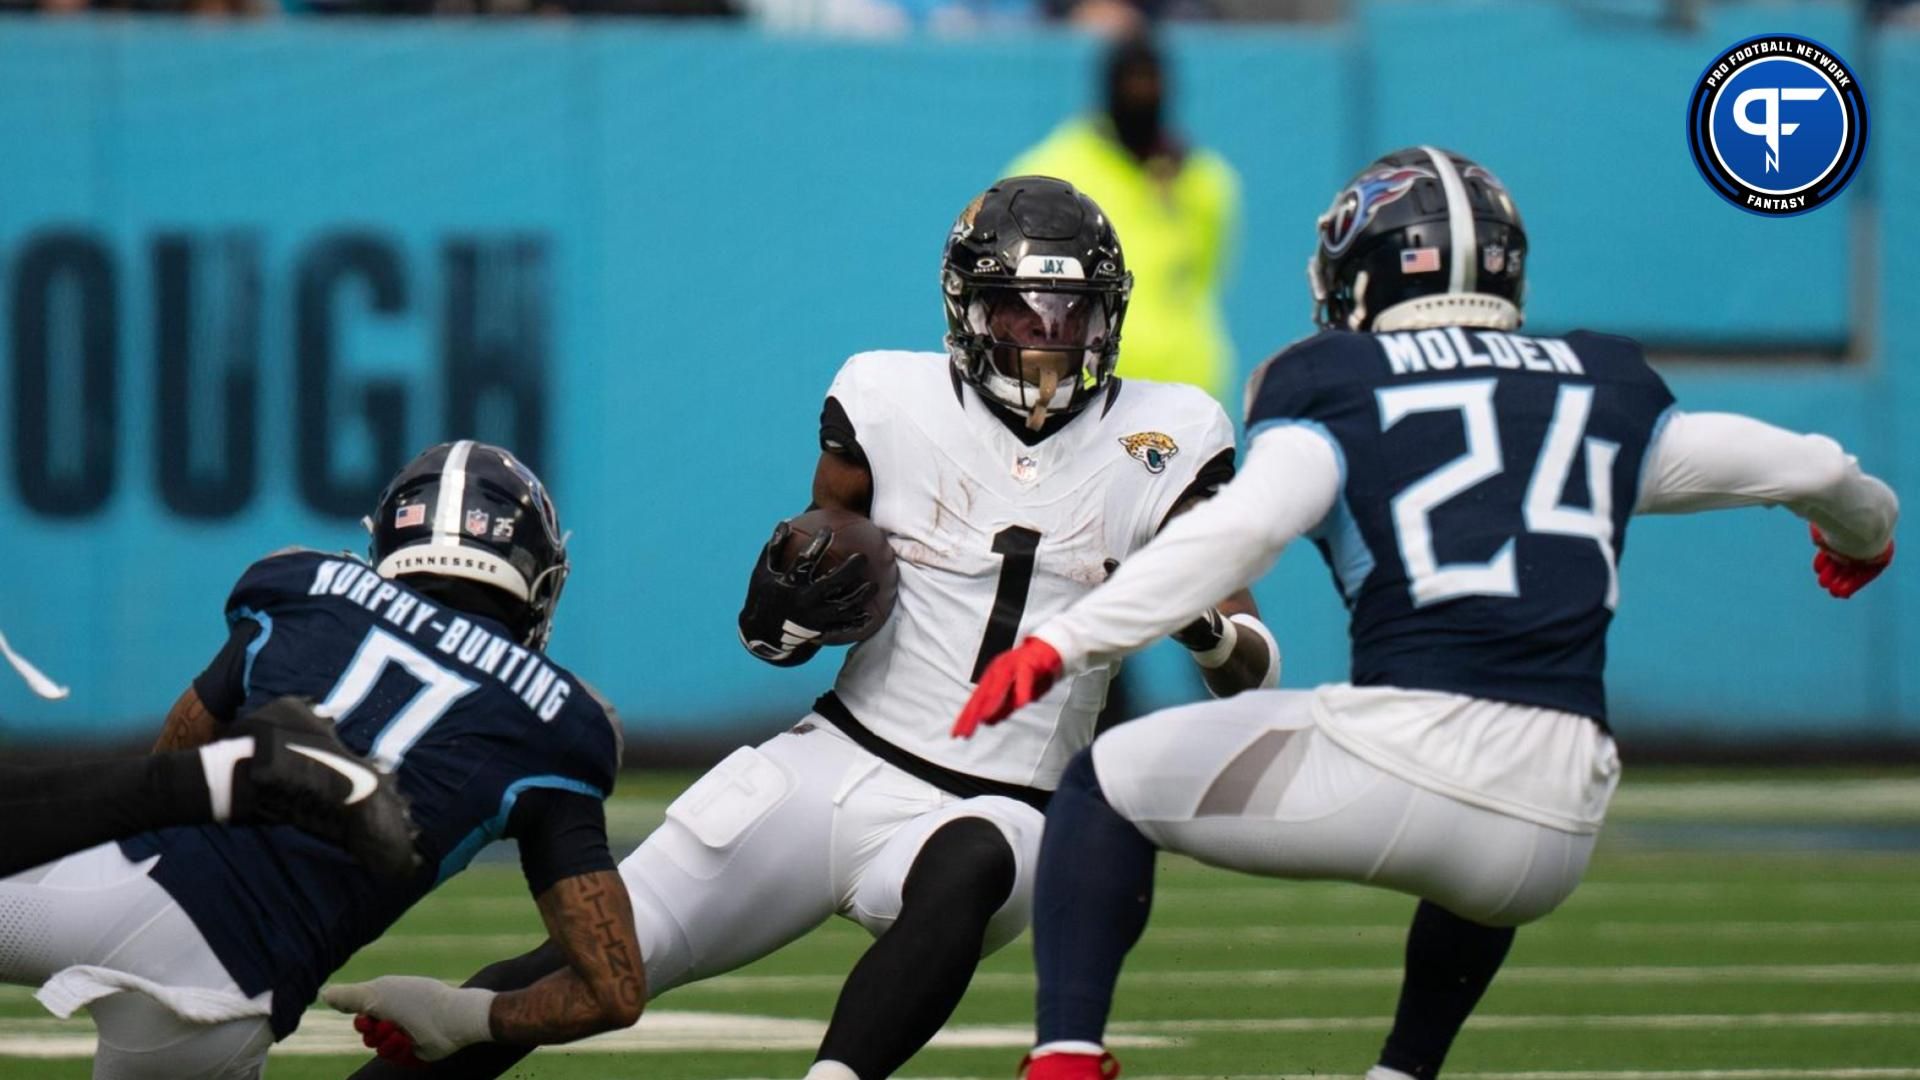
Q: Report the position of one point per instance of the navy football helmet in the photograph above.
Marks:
(1422, 237)
(471, 510)
(1036, 289)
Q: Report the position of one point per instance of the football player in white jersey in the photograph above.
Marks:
(1011, 474)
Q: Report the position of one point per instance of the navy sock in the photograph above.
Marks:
(1450, 964)
(1091, 899)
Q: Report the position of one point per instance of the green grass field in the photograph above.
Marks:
(1735, 926)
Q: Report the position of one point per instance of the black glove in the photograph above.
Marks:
(1202, 633)
(790, 613)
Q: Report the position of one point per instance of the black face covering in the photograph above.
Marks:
(1135, 94)
(1136, 123)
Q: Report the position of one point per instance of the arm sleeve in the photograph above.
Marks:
(1289, 482)
(222, 687)
(1714, 461)
(562, 834)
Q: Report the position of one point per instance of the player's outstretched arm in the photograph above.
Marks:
(1234, 649)
(1289, 483)
(603, 986)
(1712, 461)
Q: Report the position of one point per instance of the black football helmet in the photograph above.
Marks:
(1422, 237)
(1036, 289)
(471, 510)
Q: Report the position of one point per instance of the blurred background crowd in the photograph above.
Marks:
(878, 17)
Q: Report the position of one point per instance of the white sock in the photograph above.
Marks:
(830, 1070)
(1067, 1046)
(217, 760)
(1381, 1072)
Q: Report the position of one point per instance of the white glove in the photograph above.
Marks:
(439, 1018)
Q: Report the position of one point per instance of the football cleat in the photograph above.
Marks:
(1070, 1067)
(300, 774)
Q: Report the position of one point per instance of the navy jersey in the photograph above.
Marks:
(464, 716)
(1487, 482)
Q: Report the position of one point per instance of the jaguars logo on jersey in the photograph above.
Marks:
(1150, 448)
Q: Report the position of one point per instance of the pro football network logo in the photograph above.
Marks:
(1777, 125)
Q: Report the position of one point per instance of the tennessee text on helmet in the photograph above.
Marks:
(1035, 288)
(1422, 237)
(471, 510)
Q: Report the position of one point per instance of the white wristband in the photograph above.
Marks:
(1252, 622)
(1222, 649)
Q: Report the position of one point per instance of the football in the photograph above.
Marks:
(853, 534)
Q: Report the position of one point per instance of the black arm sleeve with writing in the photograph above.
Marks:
(561, 833)
(223, 685)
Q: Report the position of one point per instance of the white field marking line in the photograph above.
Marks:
(1776, 802)
(1279, 894)
(1614, 1021)
(1378, 976)
(1612, 930)
(327, 1033)
(1836, 1073)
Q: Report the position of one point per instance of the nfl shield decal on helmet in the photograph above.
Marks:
(1150, 448)
(477, 522)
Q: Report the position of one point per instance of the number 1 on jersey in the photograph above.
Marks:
(1017, 546)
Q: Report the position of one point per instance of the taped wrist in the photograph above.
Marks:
(466, 1017)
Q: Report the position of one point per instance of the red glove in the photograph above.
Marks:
(1014, 680)
(389, 1040)
(1844, 575)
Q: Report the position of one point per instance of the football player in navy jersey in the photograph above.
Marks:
(1470, 488)
(196, 948)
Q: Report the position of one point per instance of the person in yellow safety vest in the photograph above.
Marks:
(1176, 208)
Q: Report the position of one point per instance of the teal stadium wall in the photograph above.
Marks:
(642, 251)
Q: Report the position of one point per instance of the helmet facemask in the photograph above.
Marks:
(1042, 349)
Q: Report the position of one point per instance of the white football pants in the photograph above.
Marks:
(1251, 783)
(778, 837)
(98, 909)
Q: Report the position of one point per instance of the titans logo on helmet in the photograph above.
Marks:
(1777, 125)
(1355, 206)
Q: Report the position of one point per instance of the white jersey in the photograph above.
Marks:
(993, 537)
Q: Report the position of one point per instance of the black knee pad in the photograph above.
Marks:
(965, 863)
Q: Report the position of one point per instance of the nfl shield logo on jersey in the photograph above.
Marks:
(1150, 448)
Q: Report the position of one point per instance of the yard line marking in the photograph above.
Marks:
(1497, 1022)
(1794, 801)
(324, 1033)
(1609, 929)
(1372, 976)
(1839, 1073)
